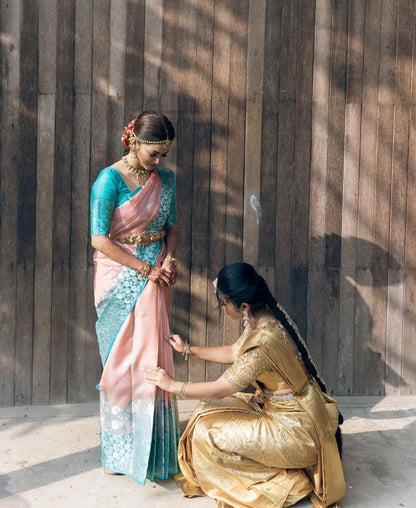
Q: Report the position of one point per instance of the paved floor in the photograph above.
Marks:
(49, 457)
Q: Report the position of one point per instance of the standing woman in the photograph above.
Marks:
(133, 230)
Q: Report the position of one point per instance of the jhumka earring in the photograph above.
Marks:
(245, 318)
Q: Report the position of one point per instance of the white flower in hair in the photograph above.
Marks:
(214, 283)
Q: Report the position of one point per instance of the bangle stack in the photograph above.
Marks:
(146, 270)
(170, 259)
(183, 391)
(186, 351)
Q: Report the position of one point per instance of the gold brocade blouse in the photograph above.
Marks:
(253, 365)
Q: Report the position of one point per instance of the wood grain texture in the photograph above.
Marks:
(295, 151)
(10, 81)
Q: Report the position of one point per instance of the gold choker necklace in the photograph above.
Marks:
(142, 175)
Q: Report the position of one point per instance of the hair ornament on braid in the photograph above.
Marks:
(302, 341)
(128, 131)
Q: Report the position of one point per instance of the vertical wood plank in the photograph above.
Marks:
(135, 35)
(79, 364)
(44, 227)
(402, 100)
(301, 177)
(153, 54)
(269, 136)
(368, 158)
(286, 155)
(10, 82)
(27, 202)
(236, 133)
(409, 342)
(333, 211)
(62, 203)
(182, 296)
(252, 160)
(218, 176)
(382, 195)
(350, 197)
(100, 87)
(116, 78)
(236, 139)
(44, 201)
(200, 180)
(316, 251)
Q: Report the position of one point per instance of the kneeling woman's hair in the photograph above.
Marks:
(240, 283)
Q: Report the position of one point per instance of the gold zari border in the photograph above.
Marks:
(143, 238)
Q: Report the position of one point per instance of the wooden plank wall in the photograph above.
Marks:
(296, 136)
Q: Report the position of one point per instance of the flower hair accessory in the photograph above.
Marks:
(215, 283)
(125, 138)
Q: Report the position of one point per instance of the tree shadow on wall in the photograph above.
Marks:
(356, 309)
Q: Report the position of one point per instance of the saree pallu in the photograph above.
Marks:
(139, 422)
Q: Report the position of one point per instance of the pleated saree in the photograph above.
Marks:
(139, 423)
(264, 451)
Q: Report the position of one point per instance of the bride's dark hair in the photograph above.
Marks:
(240, 283)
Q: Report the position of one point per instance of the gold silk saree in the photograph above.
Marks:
(256, 450)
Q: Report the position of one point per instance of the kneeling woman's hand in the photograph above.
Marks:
(161, 378)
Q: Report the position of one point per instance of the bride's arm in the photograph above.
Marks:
(113, 251)
(110, 249)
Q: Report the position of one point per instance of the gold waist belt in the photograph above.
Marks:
(144, 238)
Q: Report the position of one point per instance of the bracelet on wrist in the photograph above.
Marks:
(183, 391)
(186, 351)
(146, 270)
(170, 259)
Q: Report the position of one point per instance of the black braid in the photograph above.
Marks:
(281, 316)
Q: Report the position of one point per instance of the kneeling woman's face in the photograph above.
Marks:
(230, 309)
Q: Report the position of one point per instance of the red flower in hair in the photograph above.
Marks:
(125, 138)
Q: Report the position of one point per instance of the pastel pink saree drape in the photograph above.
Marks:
(138, 424)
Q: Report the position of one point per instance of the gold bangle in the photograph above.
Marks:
(186, 351)
(170, 259)
(146, 270)
(183, 391)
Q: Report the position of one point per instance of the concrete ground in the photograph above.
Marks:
(49, 457)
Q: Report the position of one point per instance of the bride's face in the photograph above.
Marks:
(150, 156)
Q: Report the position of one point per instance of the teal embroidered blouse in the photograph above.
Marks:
(110, 191)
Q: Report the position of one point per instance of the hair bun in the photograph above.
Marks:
(125, 138)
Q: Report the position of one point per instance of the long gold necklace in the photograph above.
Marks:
(142, 175)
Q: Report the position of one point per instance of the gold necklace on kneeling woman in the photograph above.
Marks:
(141, 174)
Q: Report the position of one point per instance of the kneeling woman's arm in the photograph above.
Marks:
(204, 390)
(219, 354)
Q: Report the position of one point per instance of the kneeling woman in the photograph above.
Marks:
(270, 448)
